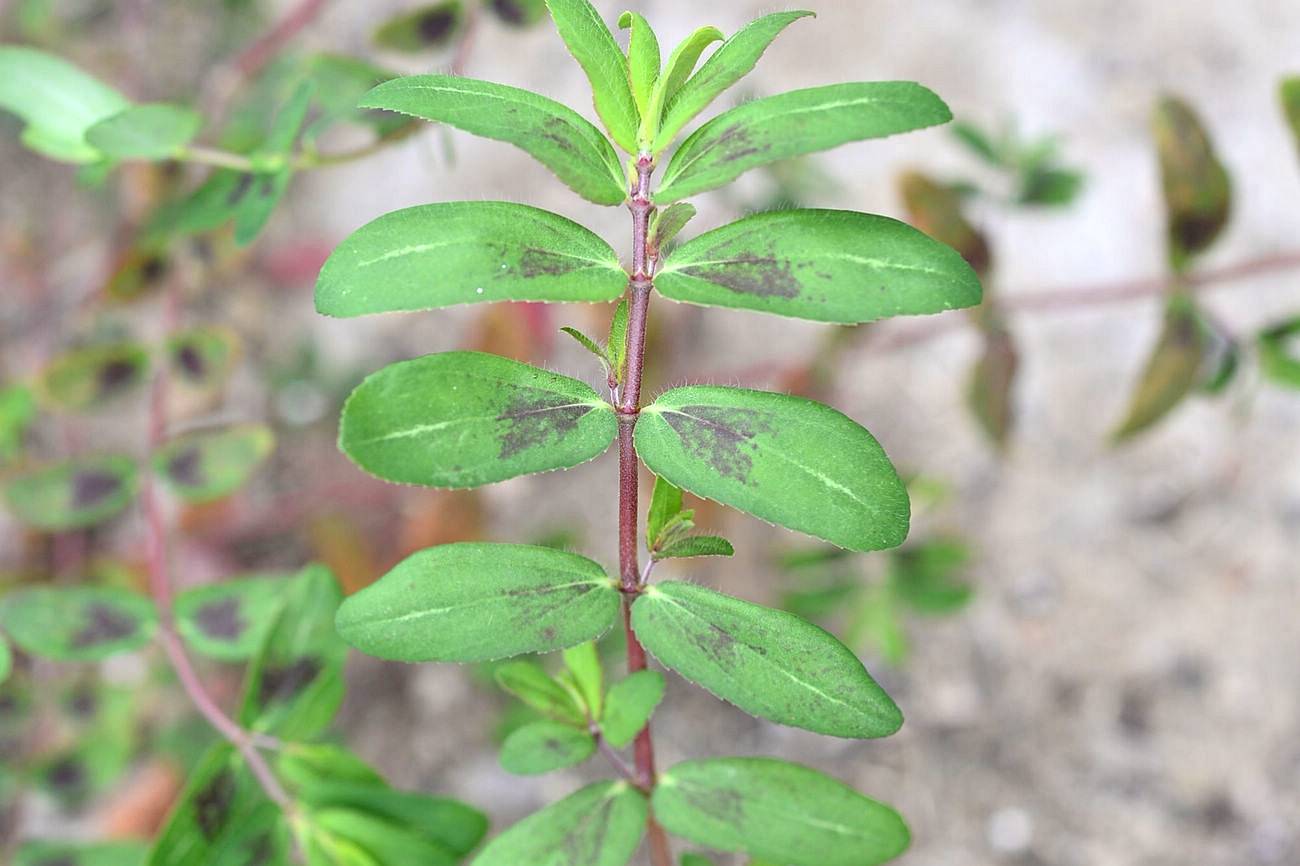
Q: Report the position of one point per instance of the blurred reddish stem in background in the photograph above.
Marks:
(1042, 301)
(160, 587)
(252, 59)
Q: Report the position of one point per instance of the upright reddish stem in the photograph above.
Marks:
(629, 406)
(160, 588)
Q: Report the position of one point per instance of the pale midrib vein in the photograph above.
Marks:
(756, 805)
(478, 602)
(758, 444)
(460, 242)
(421, 429)
(821, 106)
(860, 260)
(807, 685)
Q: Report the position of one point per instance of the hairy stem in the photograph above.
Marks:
(629, 406)
(160, 588)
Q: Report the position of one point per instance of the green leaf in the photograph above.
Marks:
(696, 545)
(222, 818)
(1289, 93)
(527, 681)
(204, 466)
(545, 746)
(6, 659)
(74, 494)
(697, 860)
(463, 419)
(557, 136)
(444, 829)
(379, 840)
(93, 377)
(203, 357)
(1172, 371)
(978, 142)
(878, 623)
(826, 265)
(307, 767)
(229, 620)
(665, 225)
(423, 28)
(255, 198)
(593, 46)
(1052, 187)
(599, 825)
(793, 124)
(439, 255)
(57, 102)
(155, 131)
(17, 411)
(629, 705)
(927, 576)
(518, 13)
(937, 209)
(77, 623)
(591, 346)
(1279, 353)
(665, 504)
(340, 82)
(679, 67)
(779, 458)
(989, 389)
(733, 60)
(776, 811)
(583, 664)
(642, 61)
(617, 343)
(767, 662)
(475, 602)
(295, 683)
(52, 853)
(1196, 186)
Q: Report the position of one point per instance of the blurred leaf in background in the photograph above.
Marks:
(1196, 186)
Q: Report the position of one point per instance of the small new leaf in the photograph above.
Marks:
(733, 60)
(527, 681)
(793, 124)
(616, 346)
(591, 346)
(152, 132)
(557, 136)
(593, 46)
(767, 662)
(780, 458)
(826, 265)
(463, 419)
(667, 223)
(695, 545)
(665, 504)
(642, 59)
(588, 676)
(545, 746)
(629, 705)
(477, 602)
(599, 825)
(679, 67)
(777, 811)
(77, 624)
(440, 255)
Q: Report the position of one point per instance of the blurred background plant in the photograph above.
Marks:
(193, 263)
